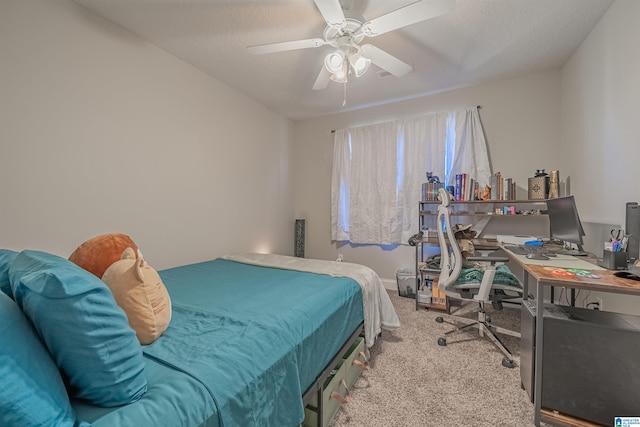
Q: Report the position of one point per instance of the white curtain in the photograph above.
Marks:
(378, 172)
(373, 217)
(470, 151)
(422, 143)
(340, 186)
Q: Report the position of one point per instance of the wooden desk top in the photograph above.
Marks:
(606, 283)
(549, 276)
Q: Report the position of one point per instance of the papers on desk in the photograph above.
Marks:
(561, 261)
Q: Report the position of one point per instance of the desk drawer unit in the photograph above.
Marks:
(591, 367)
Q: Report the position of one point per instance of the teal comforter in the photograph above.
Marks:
(251, 339)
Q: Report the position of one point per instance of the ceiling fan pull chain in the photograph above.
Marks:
(344, 99)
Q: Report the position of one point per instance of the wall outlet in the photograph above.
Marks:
(340, 258)
(599, 301)
(596, 304)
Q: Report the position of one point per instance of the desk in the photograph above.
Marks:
(542, 276)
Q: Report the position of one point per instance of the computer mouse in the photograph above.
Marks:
(535, 255)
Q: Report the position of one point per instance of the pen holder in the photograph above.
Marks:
(614, 260)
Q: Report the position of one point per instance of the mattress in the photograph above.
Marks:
(244, 343)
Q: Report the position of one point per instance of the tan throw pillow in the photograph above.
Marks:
(97, 254)
(138, 289)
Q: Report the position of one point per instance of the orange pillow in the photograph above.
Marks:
(139, 291)
(97, 254)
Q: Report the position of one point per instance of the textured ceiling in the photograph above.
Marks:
(479, 41)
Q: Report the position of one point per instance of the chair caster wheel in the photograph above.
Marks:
(442, 342)
(439, 319)
(507, 363)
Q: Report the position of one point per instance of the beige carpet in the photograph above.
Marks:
(415, 382)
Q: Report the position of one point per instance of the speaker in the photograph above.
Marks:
(299, 238)
(632, 228)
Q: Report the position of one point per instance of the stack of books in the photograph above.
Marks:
(502, 188)
(430, 190)
(466, 188)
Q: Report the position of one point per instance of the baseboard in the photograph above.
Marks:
(390, 285)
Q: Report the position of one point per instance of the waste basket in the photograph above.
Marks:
(406, 278)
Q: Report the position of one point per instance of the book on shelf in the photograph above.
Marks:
(430, 190)
(507, 189)
(494, 187)
(502, 188)
(465, 185)
(475, 190)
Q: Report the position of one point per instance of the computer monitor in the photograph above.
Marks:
(565, 223)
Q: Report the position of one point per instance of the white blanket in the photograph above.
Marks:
(378, 310)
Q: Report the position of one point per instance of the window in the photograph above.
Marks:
(378, 171)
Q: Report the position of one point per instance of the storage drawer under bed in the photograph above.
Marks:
(342, 379)
(355, 360)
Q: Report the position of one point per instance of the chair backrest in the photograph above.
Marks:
(450, 253)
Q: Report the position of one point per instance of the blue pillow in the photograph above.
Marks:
(86, 332)
(6, 256)
(31, 391)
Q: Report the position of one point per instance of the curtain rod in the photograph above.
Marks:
(477, 106)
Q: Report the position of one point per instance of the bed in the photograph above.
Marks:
(251, 340)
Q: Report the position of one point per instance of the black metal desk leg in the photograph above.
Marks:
(537, 372)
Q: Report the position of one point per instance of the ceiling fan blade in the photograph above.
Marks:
(410, 14)
(386, 61)
(285, 46)
(322, 81)
(332, 13)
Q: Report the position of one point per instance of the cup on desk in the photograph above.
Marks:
(614, 260)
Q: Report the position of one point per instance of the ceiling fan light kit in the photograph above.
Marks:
(341, 75)
(344, 59)
(334, 61)
(359, 63)
(346, 29)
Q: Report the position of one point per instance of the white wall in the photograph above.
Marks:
(521, 119)
(600, 119)
(103, 132)
(600, 114)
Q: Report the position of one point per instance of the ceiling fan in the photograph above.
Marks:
(346, 29)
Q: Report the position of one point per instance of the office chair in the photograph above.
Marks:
(485, 284)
